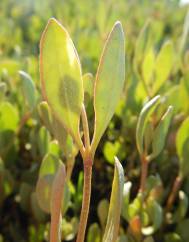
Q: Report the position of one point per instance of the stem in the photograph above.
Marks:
(174, 192)
(85, 127)
(85, 202)
(69, 166)
(144, 173)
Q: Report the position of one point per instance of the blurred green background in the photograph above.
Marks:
(24, 141)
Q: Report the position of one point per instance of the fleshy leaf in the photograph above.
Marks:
(61, 78)
(28, 88)
(109, 81)
(160, 132)
(94, 233)
(112, 226)
(143, 119)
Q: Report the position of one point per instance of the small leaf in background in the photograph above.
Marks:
(48, 170)
(155, 214)
(3, 89)
(88, 84)
(112, 226)
(94, 233)
(182, 230)
(173, 237)
(38, 213)
(126, 200)
(143, 44)
(111, 150)
(147, 110)
(182, 207)
(69, 228)
(183, 94)
(8, 117)
(135, 207)
(28, 88)
(45, 114)
(61, 77)
(163, 65)
(161, 131)
(56, 203)
(148, 66)
(182, 145)
(102, 211)
(150, 239)
(43, 141)
(109, 81)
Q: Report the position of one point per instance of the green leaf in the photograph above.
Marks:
(160, 132)
(148, 66)
(182, 207)
(163, 65)
(143, 120)
(111, 150)
(3, 89)
(61, 77)
(182, 230)
(28, 88)
(102, 211)
(155, 214)
(45, 114)
(112, 226)
(56, 202)
(88, 84)
(94, 233)
(182, 145)
(173, 237)
(109, 81)
(126, 200)
(8, 117)
(48, 170)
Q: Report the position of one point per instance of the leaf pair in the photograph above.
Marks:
(154, 136)
(62, 82)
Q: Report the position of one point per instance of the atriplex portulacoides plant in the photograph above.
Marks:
(63, 91)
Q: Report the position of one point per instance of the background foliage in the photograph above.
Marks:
(156, 63)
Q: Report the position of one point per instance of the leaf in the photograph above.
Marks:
(28, 88)
(8, 117)
(111, 150)
(3, 89)
(102, 211)
(155, 214)
(109, 81)
(182, 145)
(182, 207)
(56, 202)
(148, 66)
(160, 132)
(61, 78)
(48, 170)
(163, 65)
(88, 85)
(126, 200)
(45, 114)
(112, 226)
(142, 121)
(94, 233)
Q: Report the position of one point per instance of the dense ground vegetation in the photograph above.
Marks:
(156, 63)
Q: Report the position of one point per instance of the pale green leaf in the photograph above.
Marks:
(61, 76)
(94, 233)
(112, 226)
(163, 65)
(148, 66)
(28, 88)
(143, 120)
(160, 132)
(109, 81)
